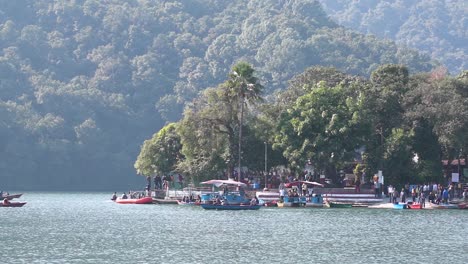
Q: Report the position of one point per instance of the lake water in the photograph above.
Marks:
(89, 228)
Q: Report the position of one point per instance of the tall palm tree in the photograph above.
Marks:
(242, 85)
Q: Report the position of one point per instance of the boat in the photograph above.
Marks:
(188, 203)
(227, 199)
(353, 198)
(230, 206)
(292, 201)
(315, 201)
(164, 201)
(463, 205)
(400, 206)
(441, 206)
(381, 206)
(338, 205)
(414, 206)
(13, 204)
(11, 196)
(143, 200)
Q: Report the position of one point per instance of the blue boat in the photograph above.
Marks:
(400, 206)
(230, 206)
(294, 201)
(227, 199)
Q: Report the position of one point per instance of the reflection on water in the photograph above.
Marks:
(89, 228)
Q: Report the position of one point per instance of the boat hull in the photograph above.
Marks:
(314, 205)
(188, 203)
(414, 206)
(12, 204)
(164, 201)
(339, 205)
(400, 206)
(11, 196)
(441, 206)
(230, 207)
(144, 200)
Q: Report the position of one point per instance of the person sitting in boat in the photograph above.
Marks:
(217, 200)
(124, 196)
(114, 196)
(6, 201)
(253, 201)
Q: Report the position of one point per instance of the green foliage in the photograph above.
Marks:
(325, 125)
(161, 153)
(84, 83)
(433, 27)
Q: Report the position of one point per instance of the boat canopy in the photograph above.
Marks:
(218, 183)
(298, 183)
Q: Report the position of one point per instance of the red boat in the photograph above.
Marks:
(12, 204)
(414, 206)
(144, 200)
(463, 205)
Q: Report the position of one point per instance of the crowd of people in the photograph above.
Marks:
(433, 193)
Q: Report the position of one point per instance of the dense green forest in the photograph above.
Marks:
(83, 83)
(394, 121)
(435, 27)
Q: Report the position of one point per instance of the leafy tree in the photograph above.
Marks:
(325, 126)
(161, 153)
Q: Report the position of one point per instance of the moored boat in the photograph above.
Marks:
(414, 206)
(230, 206)
(441, 206)
(143, 200)
(226, 198)
(188, 203)
(293, 201)
(11, 196)
(400, 206)
(164, 201)
(338, 205)
(13, 204)
(381, 206)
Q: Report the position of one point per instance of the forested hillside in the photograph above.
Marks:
(84, 82)
(436, 27)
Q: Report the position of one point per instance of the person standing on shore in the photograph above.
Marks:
(395, 195)
(357, 188)
(422, 200)
(390, 193)
(403, 195)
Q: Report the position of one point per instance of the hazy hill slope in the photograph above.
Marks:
(438, 28)
(84, 82)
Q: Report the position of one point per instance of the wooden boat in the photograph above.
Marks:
(414, 206)
(338, 205)
(400, 206)
(144, 200)
(11, 196)
(164, 201)
(231, 198)
(271, 204)
(441, 206)
(188, 203)
(230, 206)
(295, 201)
(381, 206)
(13, 204)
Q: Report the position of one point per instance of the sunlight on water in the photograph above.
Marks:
(89, 228)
